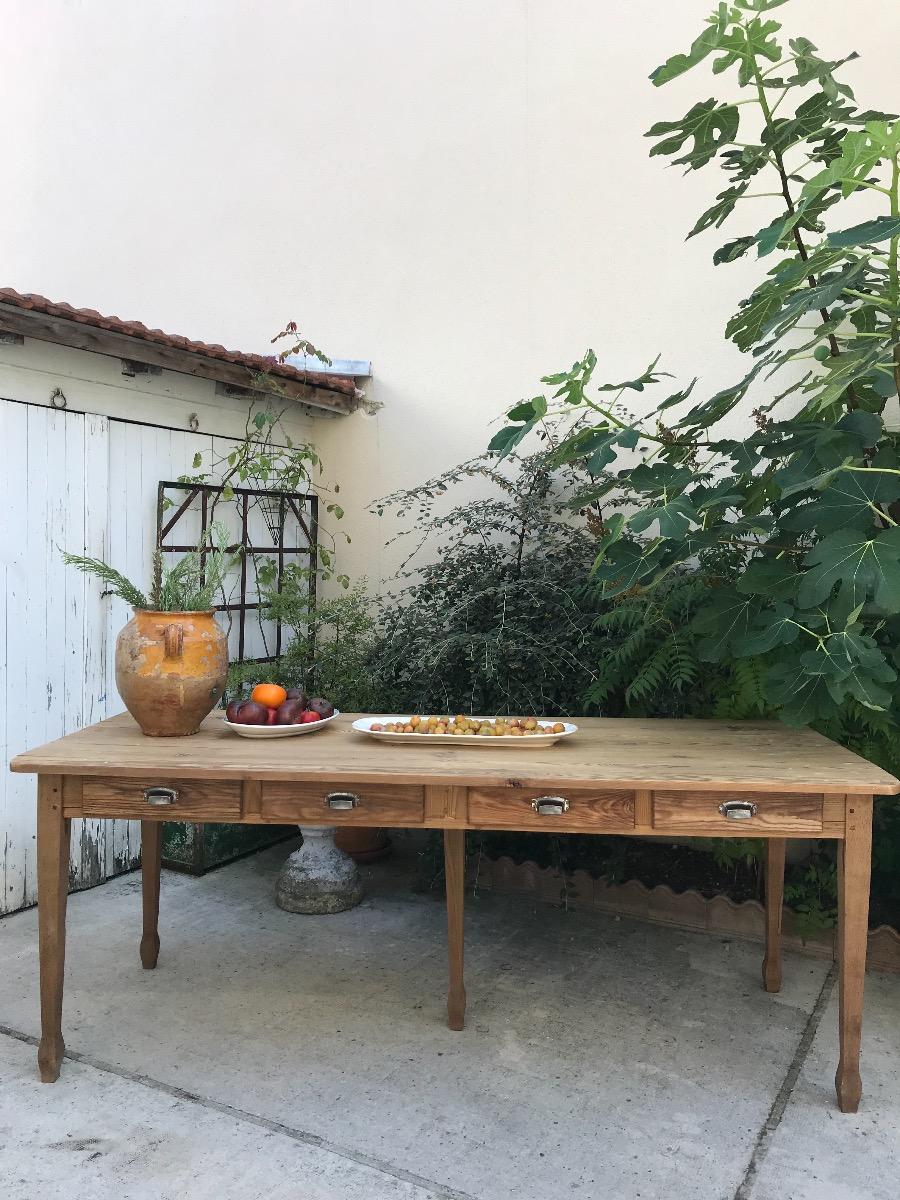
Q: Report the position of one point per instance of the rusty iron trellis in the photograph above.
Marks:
(303, 508)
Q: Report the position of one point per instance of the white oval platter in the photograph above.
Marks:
(535, 741)
(277, 731)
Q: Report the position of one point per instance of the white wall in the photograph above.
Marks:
(458, 190)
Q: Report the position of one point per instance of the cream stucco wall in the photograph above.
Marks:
(456, 189)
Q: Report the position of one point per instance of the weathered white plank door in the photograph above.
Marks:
(54, 494)
(87, 484)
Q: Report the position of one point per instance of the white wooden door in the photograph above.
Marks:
(87, 484)
(53, 492)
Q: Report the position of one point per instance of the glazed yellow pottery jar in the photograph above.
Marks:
(171, 669)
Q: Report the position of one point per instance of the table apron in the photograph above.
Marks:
(563, 809)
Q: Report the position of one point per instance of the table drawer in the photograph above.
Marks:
(731, 813)
(564, 810)
(343, 804)
(164, 799)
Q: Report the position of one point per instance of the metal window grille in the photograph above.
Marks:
(255, 516)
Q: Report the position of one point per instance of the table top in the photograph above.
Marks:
(610, 752)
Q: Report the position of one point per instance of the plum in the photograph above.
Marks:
(247, 712)
(323, 707)
(298, 694)
(289, 712)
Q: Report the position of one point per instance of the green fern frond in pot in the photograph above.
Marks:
(116, 582)
(189, 586)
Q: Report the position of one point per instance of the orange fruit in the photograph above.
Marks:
(270, 694)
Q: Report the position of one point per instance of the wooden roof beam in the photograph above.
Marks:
(116, 345)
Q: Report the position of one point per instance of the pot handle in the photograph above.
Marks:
(174, 641)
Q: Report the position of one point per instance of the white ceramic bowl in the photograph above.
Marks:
(277, 731)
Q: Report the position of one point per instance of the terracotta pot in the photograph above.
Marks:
(171, 669)
(364, 845)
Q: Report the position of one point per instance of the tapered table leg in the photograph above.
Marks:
(151, 854)
(454, 871)
(771, 968)
(53, 834)
(854, 872)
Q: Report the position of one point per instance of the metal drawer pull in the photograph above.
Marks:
(738, 810)
(342, 800)
(550, 806)
(160, 797)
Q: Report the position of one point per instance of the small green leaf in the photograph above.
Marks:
(677, 397)
(675, 518)
(773, 578)
(878, 230)
(650, 375)
(747, 325)
(862, 565)
(717, 213)
(801, 697)
(733, 250)
(856, 665)
(885, 134)
(624, 565)
(768, 239)
(506, 440)
(772, 627)
(851, 499)
(708, 125)
(613, 530)
(658, 478)
(529, 410)
(855, 163)
(727, 619)
(704, 415)
(745, 44)
(700, 48)
(828, 289)
(808, 67)
(867, 426)
(841, 373)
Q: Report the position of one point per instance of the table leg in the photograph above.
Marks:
(151, 854)
(454, 871)
(771, 968)
(53, 836)
(854, 871)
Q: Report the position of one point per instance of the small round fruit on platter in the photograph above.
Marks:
(523, 733)
(276, 712)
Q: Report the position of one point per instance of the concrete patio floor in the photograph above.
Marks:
(306, 1058)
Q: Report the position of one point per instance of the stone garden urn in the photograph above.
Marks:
(319, 877)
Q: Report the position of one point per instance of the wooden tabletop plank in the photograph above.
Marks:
(612, 752)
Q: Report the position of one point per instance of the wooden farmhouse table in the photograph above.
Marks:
(615, 776)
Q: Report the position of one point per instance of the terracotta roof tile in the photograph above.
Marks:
(267, 363)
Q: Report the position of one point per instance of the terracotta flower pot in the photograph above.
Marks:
(171, 669)
(364, 845)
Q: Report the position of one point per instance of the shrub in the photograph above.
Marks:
(501, 618)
